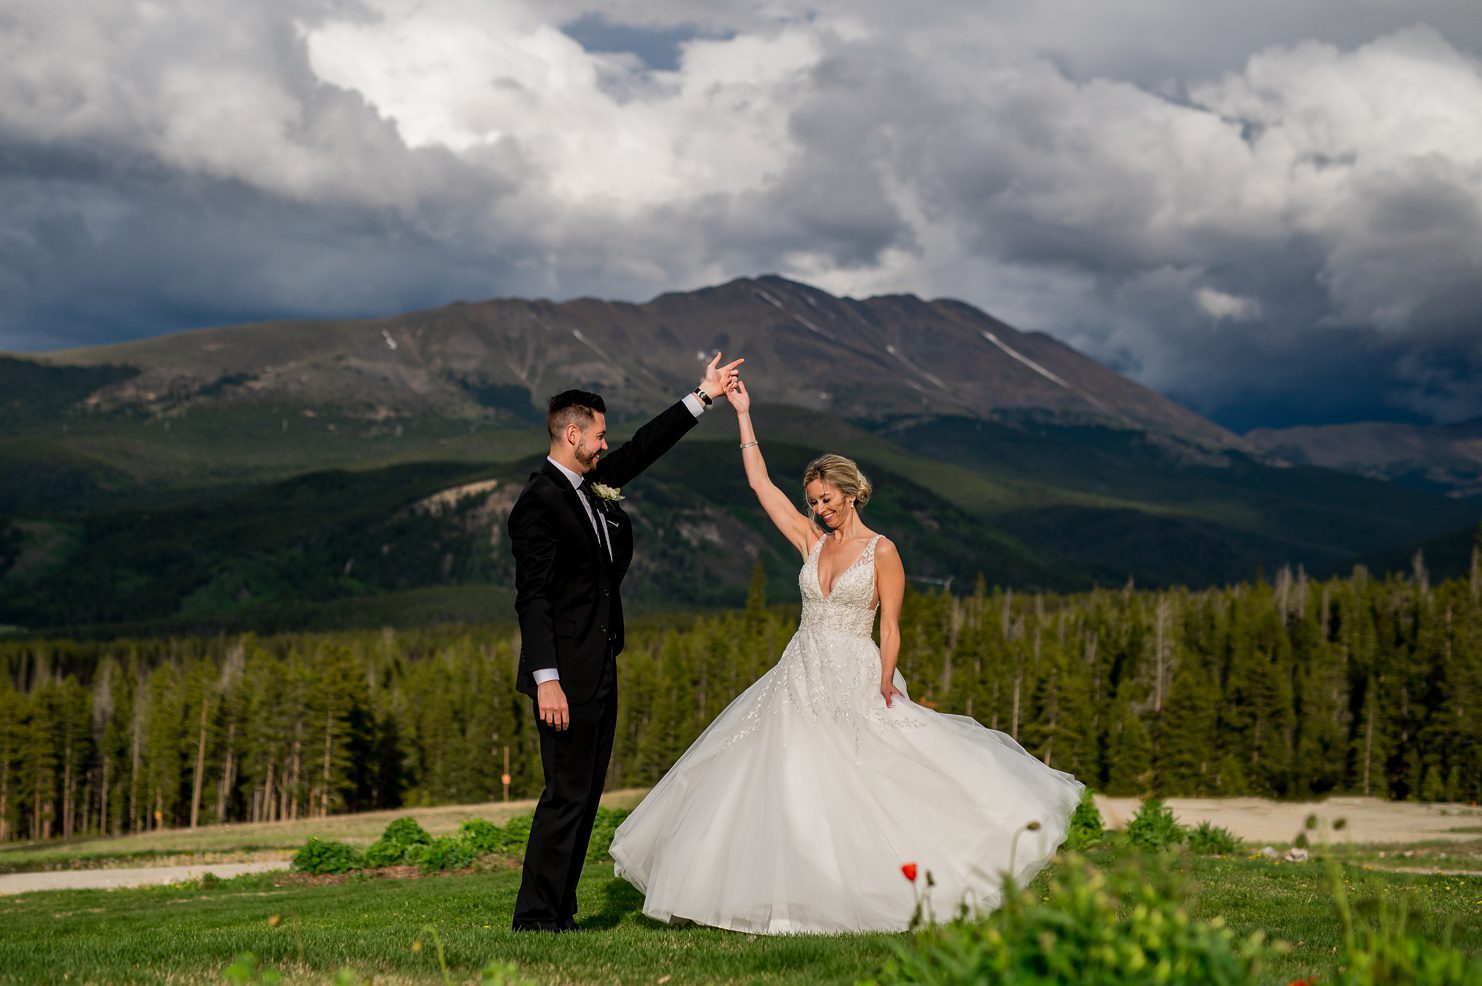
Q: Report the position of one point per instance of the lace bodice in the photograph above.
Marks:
(847, 608)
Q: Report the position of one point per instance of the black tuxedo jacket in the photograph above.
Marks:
(566, 590)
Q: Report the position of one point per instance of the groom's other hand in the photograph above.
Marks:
(718, 378)
(551, 701)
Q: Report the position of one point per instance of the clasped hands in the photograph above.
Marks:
(720, 379)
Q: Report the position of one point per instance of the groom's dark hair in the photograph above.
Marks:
(572, 407)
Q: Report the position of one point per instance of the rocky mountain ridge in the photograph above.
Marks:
(872, 360)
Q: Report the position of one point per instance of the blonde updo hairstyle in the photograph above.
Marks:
(842, 473)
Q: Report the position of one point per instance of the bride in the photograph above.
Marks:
(797, 809)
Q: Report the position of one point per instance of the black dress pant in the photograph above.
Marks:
(575, 764)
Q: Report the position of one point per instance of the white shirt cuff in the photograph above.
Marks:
(693, 403)
(547, 674)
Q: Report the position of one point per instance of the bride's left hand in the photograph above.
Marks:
(736, 393)
(888, 689)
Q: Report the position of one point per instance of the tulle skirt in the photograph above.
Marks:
(796, 809)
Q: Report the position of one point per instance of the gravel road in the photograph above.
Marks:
(20, 883)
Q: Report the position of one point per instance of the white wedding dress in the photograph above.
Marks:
(795, 810)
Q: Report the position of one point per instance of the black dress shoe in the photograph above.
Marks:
(550, 926)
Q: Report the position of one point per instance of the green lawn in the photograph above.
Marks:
(189, 934)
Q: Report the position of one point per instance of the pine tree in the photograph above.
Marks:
(1371, 746)
(11, 738)
(1322, 722)
(1131, 755)
(1187, 745)
(36, 765)
(167, 738)
(73, 712)
(756, 593)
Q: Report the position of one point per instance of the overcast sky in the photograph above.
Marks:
(1271, 211)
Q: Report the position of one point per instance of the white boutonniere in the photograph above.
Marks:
(609, 493)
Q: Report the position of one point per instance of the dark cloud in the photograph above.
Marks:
(1273, 214)
(84, 261)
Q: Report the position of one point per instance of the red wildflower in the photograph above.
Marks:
(909, 870)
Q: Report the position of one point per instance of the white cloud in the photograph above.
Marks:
(1119, 175)
(1377, 155)
(1219, 305)
(594, 127)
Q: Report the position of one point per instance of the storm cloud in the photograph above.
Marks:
(1271, 214)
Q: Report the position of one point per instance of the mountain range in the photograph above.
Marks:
(868, 360)
(1446, 458)
(313, 473)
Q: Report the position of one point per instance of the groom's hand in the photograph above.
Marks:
(550, 701)
(718, 378)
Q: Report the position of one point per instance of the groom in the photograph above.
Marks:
(572, 544)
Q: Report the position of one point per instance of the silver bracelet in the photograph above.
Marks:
(747, 445)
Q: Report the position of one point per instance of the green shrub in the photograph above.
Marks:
(1393, 956)
(245, 970)
(391, 848)
(603, 828)
(382, 853)
(1388, 952)
(443, 853)
(502, 974)
(514, 835)
(507, 841)
(406, 832)
(481, 836)
(319, 857)
(404, 841)
(1124, 926)
(1154, 827)
(1212, 840)
(1086, 826)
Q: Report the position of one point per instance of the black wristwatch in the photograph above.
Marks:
(705, 398)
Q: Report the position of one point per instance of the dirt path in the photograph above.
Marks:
(21, 883)
(1369, 820)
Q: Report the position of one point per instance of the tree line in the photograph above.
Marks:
(1289, 688)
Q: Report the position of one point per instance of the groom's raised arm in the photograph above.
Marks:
(659, 435)
(648, 443)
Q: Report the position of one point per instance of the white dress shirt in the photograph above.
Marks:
(696, 408)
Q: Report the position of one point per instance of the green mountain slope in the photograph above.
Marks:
(411, 527)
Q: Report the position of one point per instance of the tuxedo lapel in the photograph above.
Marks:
(573, 500)
(608, 549)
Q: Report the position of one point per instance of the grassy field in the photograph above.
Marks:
(190, 933)
(311, 928)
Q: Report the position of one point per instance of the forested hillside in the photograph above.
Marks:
(1294, 688)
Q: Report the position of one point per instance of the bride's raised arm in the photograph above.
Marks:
(794, 525)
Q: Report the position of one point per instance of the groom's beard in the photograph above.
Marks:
(585, 457)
